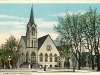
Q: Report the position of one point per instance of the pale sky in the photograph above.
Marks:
(14, 17)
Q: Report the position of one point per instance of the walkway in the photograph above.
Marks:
(85, 69)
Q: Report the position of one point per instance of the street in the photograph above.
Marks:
(25, 71)
(85, 69)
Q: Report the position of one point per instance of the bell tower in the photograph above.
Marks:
(31, 32)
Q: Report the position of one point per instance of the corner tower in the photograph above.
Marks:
(31, 32)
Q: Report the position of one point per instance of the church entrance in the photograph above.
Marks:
(33, 59)
(33, 65)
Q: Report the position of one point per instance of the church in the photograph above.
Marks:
(37, 51)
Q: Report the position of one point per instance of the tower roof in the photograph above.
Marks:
(31, 20)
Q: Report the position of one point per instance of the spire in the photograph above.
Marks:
(31, 20)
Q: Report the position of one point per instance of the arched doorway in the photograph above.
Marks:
(27, 55)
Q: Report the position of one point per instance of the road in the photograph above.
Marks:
(24, 71)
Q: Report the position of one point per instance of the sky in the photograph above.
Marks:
(14, 17)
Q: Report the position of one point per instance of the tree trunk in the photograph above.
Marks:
(79, 63)
(93, 63)
(13, 62)
(98, 65)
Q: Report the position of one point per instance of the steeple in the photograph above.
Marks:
(31, 20)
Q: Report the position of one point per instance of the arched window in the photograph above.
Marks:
(55, 57)
(46, 58)
(27, 55)
(32, 43)
(33, 57)
(41, 57)
(23, 57)
(50, 57)
(33, 31)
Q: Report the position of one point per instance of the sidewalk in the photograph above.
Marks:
(85, 69)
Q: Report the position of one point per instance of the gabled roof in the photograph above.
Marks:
(24, 38)
(41, 40)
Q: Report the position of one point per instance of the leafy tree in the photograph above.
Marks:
(70, 33)
(10, 48)
(92, 34)
(76, 28)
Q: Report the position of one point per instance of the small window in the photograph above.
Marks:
(46, 58)
(50, 65)
(48, 47)
(41, 57)
(32, 43)
(55, 65)
(33, 31)
(50, 57)
(55, 58)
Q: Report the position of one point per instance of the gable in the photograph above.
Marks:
(23, 41)
(48, 41)
(41, 41)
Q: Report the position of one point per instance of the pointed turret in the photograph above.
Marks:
(31, 20)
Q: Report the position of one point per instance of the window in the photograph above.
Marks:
(46, 58)
(48, 47)
(50, 65)
(32, 43)
(33, 57)
(55, 65)
(41, 57)
(33, 31)
(50, 57)
(27, 55)
(55, 57)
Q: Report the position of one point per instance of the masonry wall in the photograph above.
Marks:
(53, 51)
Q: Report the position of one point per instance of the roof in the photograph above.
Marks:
(59, 48)
(41, 40)
(31, 20)
(24, 38)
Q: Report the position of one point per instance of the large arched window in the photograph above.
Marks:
(41, 57)
(55, 57)
(33, 31)
(33, 57)
(46, 58)
(50, 57)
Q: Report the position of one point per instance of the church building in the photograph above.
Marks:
(37, 51)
